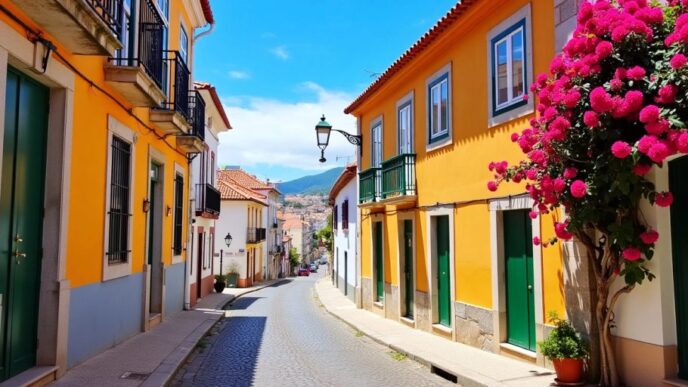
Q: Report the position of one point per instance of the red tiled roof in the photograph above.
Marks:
(216, 100)
(207, 11)
(347, 174)
(244, 178)
(424, 42)
(231, 190)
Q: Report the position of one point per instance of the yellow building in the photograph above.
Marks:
(439, 251)
(100, 118)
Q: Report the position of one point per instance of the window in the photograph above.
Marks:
(404, 127)
(120, 191)
(345, 215)
(124, 35)
(377, 145)
(212, 168)
(164, 6)
(184, 44)
(438, 106)
(509, 68)
(334, 218)
(178, 214)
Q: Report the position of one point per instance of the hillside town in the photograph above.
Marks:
(210, 193)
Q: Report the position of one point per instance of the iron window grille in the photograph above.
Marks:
(345, 215)
(119, 213)
(178, 211)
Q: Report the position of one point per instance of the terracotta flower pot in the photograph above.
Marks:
(569, 370)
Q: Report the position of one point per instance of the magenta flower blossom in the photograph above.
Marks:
(636, 73)
(678, 61)
(591, 119)
(664, 199)
(631, 254)
(578, 189)
(492, 186)
(600, 100)
(536, 241)
(621, 149)
(649, 237)
(649, 113)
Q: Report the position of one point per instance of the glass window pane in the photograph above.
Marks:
(501, 75)
(444, 106)
(435, 108)
(517, 64)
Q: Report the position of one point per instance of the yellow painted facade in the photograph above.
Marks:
(452, 178)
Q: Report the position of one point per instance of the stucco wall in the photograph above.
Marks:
(347, 241)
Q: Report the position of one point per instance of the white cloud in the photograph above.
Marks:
(279, 133)
(280, 52)
(237, 74)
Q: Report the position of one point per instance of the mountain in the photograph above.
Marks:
(314, 184)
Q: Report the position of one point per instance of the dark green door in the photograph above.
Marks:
(408, 267)
(379, 270)
(443, 272)
(520, 299)
(678, 184)
(21, 216)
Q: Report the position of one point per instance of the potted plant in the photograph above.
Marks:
(567, 351)
(233, 275)
(220, 283)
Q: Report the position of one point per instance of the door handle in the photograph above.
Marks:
(530, 287)
(19, 256)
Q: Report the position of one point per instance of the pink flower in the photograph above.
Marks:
(536, 241)
(570, 172)
(616, 84)
(641, 169)
(646, 142)
(603, 49)
(621, 149)
(649, 237)
(657, 127)
(578, 189)
(667, 94)
(561, 232)
(600, 100)
(591, 119)
(634, 99)
(492, 186)
(525, 97)
(559, 185)
(658, 152)
(571, 99)
(682, 142)
(635, 73)
(677, 61)
(533, 214)
(538, 156)
(501, 167)
(650, 113)
(631, 254)
(664, 199)
(560, 124)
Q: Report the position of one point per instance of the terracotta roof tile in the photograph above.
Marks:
(207, 11)
(216, 100)
(231, 190)
(416, 49)
(243, 178)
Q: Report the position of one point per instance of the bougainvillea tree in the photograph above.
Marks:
(613, 105)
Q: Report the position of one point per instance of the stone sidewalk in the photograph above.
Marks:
(151, 358)
(471, 366)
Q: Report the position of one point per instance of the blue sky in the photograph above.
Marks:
(278, 65)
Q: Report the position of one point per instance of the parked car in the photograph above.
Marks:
(304, 272)
(314, 268)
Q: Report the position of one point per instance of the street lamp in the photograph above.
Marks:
(228, 241)
(322, 132)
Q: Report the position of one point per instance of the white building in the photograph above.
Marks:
(343, 199)
(205, 199)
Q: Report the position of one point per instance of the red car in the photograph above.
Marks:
(304, 272)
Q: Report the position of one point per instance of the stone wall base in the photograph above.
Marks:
(367, 293)
(422, 313)
(644, 364)
(392, 302)
(474, 326)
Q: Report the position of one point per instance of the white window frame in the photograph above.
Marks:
(511, 99)
(515, 107)
(443, 137)
(184, 44)
(116, 128)
(377, 147)
(405, 141)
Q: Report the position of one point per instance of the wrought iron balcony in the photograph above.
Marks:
(255, 235)
(142, 79)
(207, 201)
(175, 114)
(370, 185)
(193, 142)
(399, 176)
(85, 27)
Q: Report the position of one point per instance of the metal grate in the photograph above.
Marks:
(111, 12)
(120, 179)
(151, 40)
(178, 211)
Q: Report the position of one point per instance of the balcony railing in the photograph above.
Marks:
(255, 235)
(399, 176)
(197, 108)
(370, 185)
(207, 200)
(151, 40)
(110, 12)
(178, 97)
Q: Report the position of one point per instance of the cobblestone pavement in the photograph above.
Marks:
(281, 336)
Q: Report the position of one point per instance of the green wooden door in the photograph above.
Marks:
(520, 299)
(443, 271)
(678, 184)
(408, 267)
(379, 270)
(21, 216)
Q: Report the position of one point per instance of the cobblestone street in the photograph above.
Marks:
(281, 336)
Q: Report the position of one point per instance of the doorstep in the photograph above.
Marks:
(33, 377)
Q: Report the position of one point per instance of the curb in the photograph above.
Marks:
(460, 379)
(163, 373)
